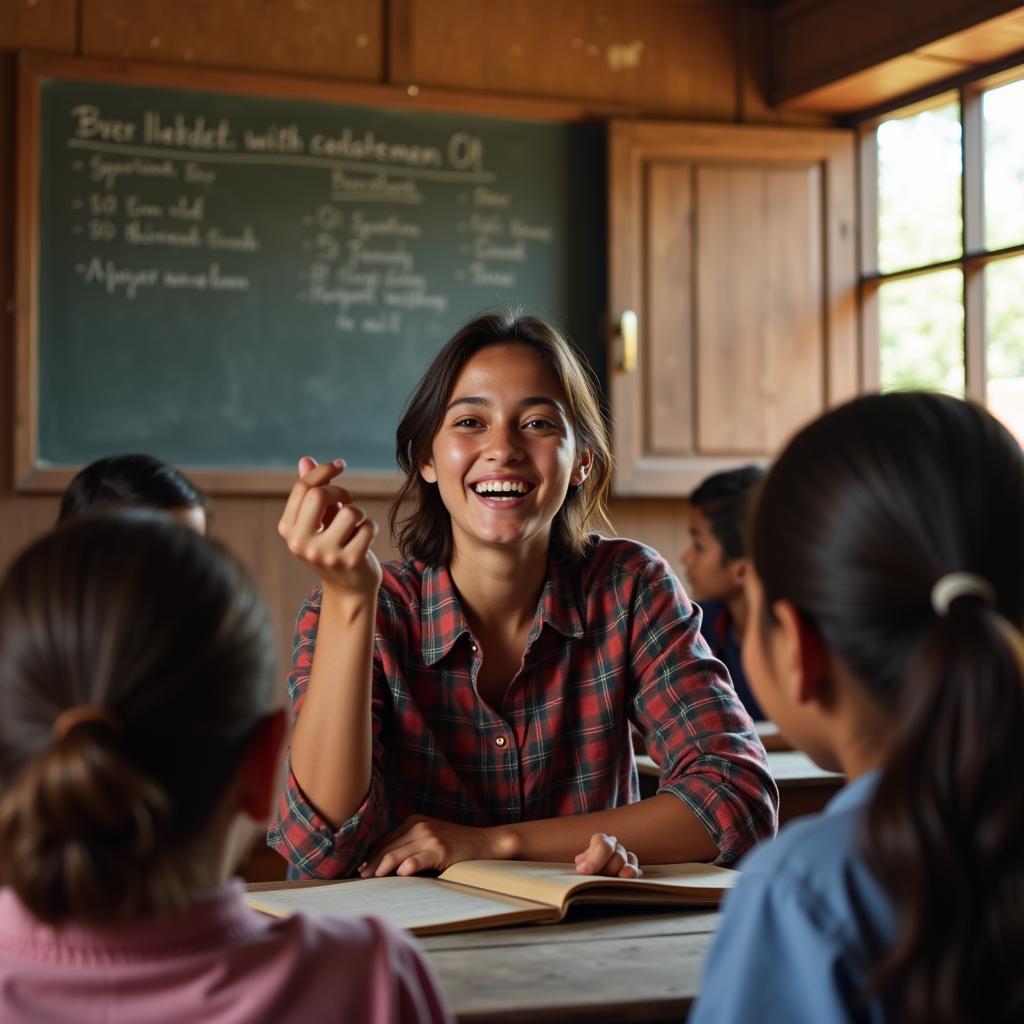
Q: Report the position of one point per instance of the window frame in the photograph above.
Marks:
(974, 256)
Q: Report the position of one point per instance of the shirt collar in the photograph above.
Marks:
(443, 620)
(855, 793)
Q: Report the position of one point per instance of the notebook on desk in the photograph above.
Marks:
(486, 894)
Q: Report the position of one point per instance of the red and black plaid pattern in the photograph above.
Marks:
(615, 640)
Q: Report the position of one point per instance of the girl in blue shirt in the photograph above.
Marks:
(886, 602)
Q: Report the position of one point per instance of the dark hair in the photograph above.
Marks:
(862, 513)
(140, 616)
(139, 481)
(424, 531)
(725, 499)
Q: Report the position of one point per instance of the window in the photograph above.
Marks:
(942, 275)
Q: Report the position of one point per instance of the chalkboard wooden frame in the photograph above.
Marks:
(32, 476)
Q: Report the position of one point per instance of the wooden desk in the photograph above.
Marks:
(600, 966)
(804, 788)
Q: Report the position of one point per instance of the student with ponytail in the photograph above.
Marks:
(139, 750)
(886, 603)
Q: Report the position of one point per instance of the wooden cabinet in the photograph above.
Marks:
(734, 246)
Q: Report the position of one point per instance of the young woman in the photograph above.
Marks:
(474, 701)
(886, 602)
(139, 748)
(135, 481)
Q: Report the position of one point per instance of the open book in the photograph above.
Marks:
(488, 893)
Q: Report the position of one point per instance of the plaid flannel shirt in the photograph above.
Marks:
(614, 640)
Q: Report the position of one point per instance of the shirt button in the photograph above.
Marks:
(473, 648)
(500, 741)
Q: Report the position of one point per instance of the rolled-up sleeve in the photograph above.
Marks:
(694, 725)
(310, 844)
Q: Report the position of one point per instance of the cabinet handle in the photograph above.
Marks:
(629, 332)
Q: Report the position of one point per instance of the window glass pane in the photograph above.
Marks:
(919, 202)
(921, 322)
(1004, 165)
(1004, 336)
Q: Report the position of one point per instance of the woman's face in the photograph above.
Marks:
(505, 453)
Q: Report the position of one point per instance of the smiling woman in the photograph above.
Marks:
(474, 701)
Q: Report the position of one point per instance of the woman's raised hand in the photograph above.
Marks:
(325, 530)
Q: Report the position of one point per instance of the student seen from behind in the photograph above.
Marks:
(884, 636)
(135, 481)
(139, 749)
(716, 564)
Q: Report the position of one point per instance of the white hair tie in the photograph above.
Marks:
(960, 584)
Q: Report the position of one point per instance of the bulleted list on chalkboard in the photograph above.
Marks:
(219, 259)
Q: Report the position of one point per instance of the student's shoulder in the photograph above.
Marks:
(819, 859)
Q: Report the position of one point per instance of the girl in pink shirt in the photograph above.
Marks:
(139, 748)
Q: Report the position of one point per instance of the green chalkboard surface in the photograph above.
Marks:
(230, 280)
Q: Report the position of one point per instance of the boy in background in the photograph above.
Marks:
(716, 564)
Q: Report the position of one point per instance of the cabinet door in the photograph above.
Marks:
(734, 248)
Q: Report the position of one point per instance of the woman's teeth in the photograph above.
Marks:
(501, 489)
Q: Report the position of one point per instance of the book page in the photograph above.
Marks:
(421, 905)
(555, 884)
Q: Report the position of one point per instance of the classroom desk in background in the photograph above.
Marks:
(804, 788)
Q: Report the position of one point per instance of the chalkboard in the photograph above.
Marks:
(229, 280)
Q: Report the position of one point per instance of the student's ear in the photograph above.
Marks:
(802, 655)
(259, 772)
(738, 570)
(427, 470)
(584, 463)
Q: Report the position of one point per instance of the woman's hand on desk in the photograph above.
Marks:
(607, 856)
(429, 844)
(332, 536)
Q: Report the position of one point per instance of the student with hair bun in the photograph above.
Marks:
(135, 481)
(886, 604)
(139, 748)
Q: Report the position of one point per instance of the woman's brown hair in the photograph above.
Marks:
(141, 618)
(419, 521)
(860, 516)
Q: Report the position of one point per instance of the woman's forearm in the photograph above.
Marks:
(659, 830)
(332, 744)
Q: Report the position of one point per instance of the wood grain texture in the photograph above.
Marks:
(816, 42)
(773, 292)
(654, 55)
(591, 979)
(38, 25)
(761, 343)
(310, 37)
(668, 372)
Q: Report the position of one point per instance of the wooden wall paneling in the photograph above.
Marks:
(8, 138)
(775, 334)
(660, 523)
(652, 54)
(50, 25)
(668, 370)
(310, 37)
(816, 42)
(730, 294)
(761, 349)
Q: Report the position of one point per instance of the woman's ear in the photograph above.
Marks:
(584, 463)
(427, 470)
(259, 772)
(802, 668)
